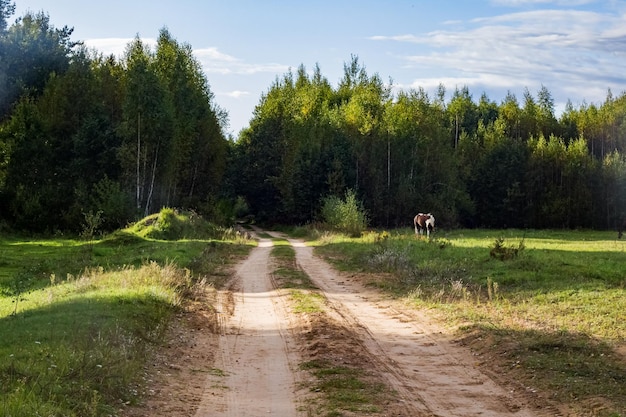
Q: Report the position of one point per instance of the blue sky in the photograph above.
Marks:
(575, 48)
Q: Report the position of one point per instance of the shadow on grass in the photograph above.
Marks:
(31, 265)
(415, 261)
(78, 357)
(564, 367)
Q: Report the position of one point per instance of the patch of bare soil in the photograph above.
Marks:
(238, 351)
(174, 380)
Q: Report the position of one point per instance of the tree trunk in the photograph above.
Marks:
(149, 198)
(138, 199)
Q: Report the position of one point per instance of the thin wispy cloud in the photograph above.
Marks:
(216, 66)
(235, 94)
(570, 50)
(213, 54)
(216, 62)
(524, 3)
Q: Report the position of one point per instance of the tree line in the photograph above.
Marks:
(85, 133)
(473, 163)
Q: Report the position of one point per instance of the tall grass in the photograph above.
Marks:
(77, 347)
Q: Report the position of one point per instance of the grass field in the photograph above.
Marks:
(545, 307)
(79, 319)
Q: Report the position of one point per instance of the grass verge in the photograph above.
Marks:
(80, 320)
(542, 308)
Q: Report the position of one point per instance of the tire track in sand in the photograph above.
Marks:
(431, 375)
(255, 366)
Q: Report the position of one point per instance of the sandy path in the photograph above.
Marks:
(254, 348)
(432, 375)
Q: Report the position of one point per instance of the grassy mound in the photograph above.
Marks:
(171, 224)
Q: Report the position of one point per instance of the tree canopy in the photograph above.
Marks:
(473, 163)
(84, 133)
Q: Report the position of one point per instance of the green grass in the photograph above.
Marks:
(345, 388)
(287, 275)
(553, 310)
(77, 347)
(80, 320)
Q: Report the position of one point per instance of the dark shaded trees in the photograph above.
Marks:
(61, 145)
(86, 133)
(475, 164)
(32, 49)
(6, 11)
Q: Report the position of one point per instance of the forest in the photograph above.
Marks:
(85, 136)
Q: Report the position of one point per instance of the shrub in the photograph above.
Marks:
(346, 216)
(226, 212)
(168, 225)
(502, 252)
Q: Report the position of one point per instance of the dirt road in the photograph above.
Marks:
(432, 375)
(250, 364)
(256, 350)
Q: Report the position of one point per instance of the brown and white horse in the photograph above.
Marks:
(424, 222)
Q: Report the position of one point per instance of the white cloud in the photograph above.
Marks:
(399, 38)
(574, 52)
(216, 62)
(235, 94)
(522, 3)
(212, 66)
(214, 55)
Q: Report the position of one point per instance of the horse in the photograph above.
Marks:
(424, 222)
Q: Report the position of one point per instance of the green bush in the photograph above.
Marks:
(169, 226)
(502, 252)
(346, 215)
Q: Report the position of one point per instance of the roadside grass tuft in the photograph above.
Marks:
(345, 388)
(287, 275)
